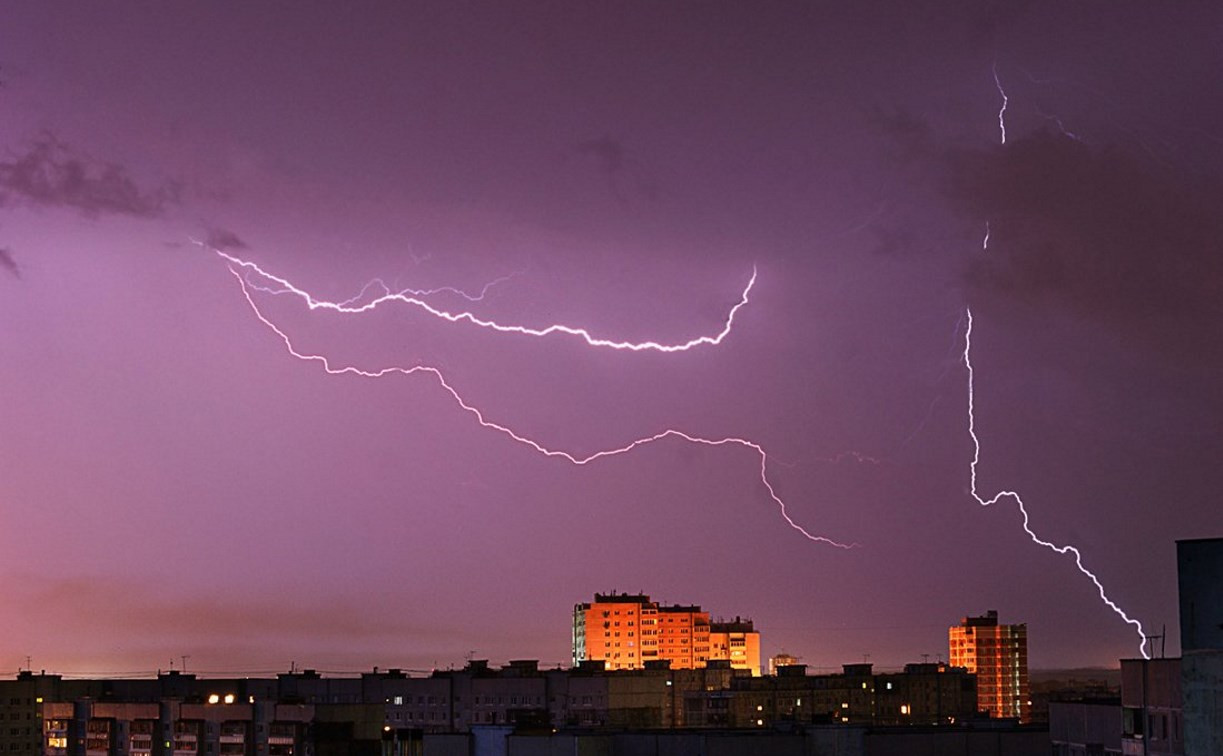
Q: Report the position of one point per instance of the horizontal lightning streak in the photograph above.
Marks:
(976, 458)
(538, 447)
(408, 297)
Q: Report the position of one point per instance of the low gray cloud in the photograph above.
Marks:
(51, 173)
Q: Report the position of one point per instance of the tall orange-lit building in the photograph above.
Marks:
(998, 656)
(627, 631)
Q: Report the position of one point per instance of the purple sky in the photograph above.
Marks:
(173, 482)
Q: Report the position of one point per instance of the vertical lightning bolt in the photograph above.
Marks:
(1005, 100)
(976, 458)
(976, 443)
(484, 422)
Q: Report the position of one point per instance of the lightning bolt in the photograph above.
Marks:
(484, 422)
(976, 443)
(413, 299)
(1060, 126)
(976, 458)
(387, 293)
(1005, 100)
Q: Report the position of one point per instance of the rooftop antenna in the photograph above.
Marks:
(185, 657)
(1163, 631)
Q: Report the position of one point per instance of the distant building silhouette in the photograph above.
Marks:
(390, 712)
(998, 656)
(777, 661)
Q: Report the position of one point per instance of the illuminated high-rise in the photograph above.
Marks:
(998, 656)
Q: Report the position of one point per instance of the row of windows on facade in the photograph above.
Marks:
(514, 701)
(669, 616)
(491, 700)
(673, 644)
(143, 728)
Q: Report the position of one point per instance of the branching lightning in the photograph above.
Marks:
(388, 293)
(976, 443)
(484, 422)
(413, 298)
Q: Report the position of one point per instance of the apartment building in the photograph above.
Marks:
(998, 655)
(629, 631)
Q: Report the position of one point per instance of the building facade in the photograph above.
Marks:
(1152, 718)
(1083, 727)
(998, 655)
(629, 631)
(1199, 571)
(736, 642)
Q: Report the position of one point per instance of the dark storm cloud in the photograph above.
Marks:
(51, 173)
(9, 263)
(1098, 231)
(221, 238)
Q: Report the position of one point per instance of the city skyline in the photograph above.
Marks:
(811, 198)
